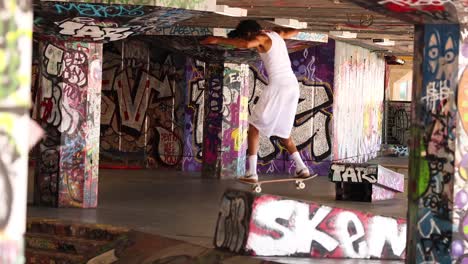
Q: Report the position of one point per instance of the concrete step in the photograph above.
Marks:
(270, 226)
(63, 244)
(49, 256)
(75, 230)
(53, 241)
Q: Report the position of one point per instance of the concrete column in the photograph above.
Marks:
(235, 120)
(70, 106)
(459, 248)
(15, 84)
(432, 154)
(225, 124)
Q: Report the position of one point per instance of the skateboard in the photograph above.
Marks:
(257, 186)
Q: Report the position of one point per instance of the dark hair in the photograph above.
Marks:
(245, 29)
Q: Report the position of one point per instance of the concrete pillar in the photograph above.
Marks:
(15, 82)
(70, 107)
(432, 155)
(225, 125)
(459, 248)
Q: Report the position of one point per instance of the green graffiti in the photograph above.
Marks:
(424, 174)
(10, 58)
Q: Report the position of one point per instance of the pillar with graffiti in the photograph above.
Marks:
(432, 164)
(69, 103)
(225, 126)
(15, 81)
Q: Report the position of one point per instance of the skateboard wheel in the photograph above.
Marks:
(257, 189)
(300, 185)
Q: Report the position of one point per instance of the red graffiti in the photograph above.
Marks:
(412, 5)
(169, 147)
(47, 105)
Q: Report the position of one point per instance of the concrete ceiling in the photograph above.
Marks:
(321, 16)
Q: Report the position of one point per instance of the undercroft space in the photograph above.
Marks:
(125, 129)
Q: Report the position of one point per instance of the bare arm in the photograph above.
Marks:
(286, 33)
(236, 42)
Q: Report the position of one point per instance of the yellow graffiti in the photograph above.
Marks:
(244, 112)
(463, 173)
(463, 99)
(239, 138)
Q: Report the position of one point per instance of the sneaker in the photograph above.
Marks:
(249, 178)
(302, 173)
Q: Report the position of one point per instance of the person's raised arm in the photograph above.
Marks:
(236, 42)
(286, 33)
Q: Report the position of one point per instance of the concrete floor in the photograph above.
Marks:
(184, 206)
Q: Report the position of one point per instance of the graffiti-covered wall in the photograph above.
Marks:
(358, 103)
(195, 112)
(312, 131)
(142, 105)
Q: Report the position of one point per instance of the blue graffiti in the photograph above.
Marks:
(440, 73)
(434, 238)
(104, 11)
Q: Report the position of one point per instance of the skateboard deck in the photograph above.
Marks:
(257, 186)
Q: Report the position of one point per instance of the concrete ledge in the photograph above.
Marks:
(365, 182)
(268, 225)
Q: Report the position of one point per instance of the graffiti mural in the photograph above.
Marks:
(142, 105)
(283, 227)
(212, 131)
(13, 182)
(459, 248)
(415, 11)
(68, 99)
(233, 221)
(235, 120)
(359, 74)
(312, 131)
(195, 80)
(397, 122)
(103, 22)
(433, 160)
(15, 84)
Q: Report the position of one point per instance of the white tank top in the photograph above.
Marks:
(276, 60)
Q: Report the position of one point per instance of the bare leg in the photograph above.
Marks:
(252, 140)
(289, 145)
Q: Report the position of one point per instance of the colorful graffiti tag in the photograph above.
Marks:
(68, 97)
(266, 225)
(195, 80)
(102, 22)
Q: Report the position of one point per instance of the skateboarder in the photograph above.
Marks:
(274, 112)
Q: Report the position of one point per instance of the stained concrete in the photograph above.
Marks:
(184, 206)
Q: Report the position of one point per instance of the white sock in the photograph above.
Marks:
(252, 165)
(298, 160)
